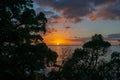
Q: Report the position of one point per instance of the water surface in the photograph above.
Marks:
(66, 51)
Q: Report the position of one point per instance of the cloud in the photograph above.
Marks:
(115, 36)
(51, 30)
(50, 13)
(55, 19)
(82, 40)
(68, 27)
(70, 9)
(101, 2)
(112, 38)
(76, 10)
(114, 9)
(110, 12)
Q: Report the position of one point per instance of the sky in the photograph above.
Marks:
(73, 22)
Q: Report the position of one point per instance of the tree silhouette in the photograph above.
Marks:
(119, 42)
(85, 63)
(22, 50)
(112, 68)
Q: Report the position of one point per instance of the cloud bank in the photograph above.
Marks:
(76, 10)
(112, 38)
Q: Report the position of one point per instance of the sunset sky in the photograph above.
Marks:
(73, 22)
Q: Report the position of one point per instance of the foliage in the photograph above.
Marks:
(97, 43)
(86, 63)
(22, 50)
(119, 42)
(113, 67)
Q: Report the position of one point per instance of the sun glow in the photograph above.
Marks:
(59, 39)
(58, 43)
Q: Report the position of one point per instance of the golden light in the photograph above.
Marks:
(58, 43)
(61, 41)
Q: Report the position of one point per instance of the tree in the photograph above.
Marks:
(85, 63)
(112, 68)
(65, 54)
(119, 41)
(22, 50)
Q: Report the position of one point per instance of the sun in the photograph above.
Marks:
(57, 43)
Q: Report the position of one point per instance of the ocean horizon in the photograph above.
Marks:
(67, 50)
(53, 47)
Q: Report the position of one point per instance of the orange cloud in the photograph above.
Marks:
(51, 30)
(60, 37)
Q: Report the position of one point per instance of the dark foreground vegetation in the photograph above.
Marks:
(23, 52)
(90, 63)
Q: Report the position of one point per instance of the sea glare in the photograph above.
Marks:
(66, 51)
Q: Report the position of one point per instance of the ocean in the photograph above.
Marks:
(66, 51)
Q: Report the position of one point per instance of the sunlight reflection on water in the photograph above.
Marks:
(59, 48)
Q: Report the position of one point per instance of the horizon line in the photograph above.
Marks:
(62, 45)
(75, 45)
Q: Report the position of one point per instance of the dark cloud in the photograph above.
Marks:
(114, 36)
(75, 10)
(68, 27)
(80, 39)
(48, 13)
(54, 18)
(111, 38)
(99, 2)
(114, 9)
(70, 9)
(110, 12)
